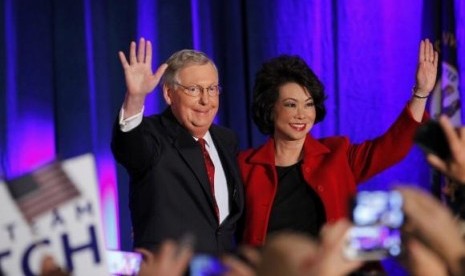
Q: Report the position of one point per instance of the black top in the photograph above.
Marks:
(296, 206)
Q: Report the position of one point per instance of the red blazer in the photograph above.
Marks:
(331, 166)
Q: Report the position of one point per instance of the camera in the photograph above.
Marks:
(123, 262)
(430, 137)
(377, 217)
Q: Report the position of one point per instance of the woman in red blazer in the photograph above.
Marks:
(296, 182)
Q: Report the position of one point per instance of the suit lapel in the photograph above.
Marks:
(189, 151)
(191, 154)
(228, 162)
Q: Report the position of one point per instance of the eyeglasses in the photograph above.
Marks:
(196, 90)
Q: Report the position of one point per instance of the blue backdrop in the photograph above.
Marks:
(61, 83)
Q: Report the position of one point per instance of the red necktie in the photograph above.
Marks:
(210, 172)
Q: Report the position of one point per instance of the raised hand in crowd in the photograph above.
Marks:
(296, 254)
(434, 242)
(421, 260)
(455, 166)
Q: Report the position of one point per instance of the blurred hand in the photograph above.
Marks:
(171, 260)
(50, 268)
(286, 254)
(455, 166)
(421, 261)
(295, 254)
(433, 224)
(329, 259)
(238, 267)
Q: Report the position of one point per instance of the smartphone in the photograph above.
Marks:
(430, 137)
(206, 265)
(376, 234)
(123, 262)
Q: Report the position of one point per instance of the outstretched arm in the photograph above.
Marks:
(140, 80)
(425, 78)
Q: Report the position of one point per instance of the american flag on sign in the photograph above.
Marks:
(42, 190)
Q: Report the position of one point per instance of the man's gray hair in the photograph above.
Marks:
(181, 59)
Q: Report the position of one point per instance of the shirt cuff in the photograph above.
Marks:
(130, 123)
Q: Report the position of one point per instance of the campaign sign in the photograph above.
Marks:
(60, 217)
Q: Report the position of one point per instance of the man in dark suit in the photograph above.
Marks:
(178, 187)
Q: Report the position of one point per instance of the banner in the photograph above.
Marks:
(446, 95)
(53, 211)
(439, 25)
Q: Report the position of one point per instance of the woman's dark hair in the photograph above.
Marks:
(271, 76)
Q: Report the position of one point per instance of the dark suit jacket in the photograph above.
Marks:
(169, 189)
